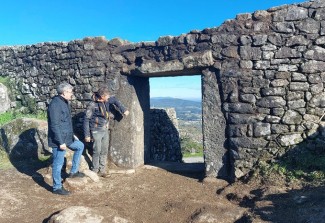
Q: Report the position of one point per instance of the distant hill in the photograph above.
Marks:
(185, 109)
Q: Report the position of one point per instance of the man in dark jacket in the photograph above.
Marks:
(96, 124)
(61, 136)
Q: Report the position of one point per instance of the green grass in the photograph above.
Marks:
(186, 155)
(308, 166)
(5, 81)
(11, 115)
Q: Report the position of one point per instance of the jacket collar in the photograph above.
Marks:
(63, 99)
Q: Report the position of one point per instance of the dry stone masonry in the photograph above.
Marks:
(263, 76)
(164, 135)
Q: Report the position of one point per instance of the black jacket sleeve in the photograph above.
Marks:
(117, 103)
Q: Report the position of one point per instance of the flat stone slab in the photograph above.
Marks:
(121, 171)
(179, 167)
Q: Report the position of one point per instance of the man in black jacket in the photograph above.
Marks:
(96, 124)
(61, 136)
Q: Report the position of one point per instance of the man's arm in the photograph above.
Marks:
(119, 105)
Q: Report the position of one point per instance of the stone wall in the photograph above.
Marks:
(164, 135)
(263, 76)
(85, 64)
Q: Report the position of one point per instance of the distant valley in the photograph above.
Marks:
(186, 110)
(189, 115)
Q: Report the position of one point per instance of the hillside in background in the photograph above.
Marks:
(186, 110)
(189, 115)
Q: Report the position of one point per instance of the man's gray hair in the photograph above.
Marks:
(63, 87)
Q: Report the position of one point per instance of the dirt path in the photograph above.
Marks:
(154, 195)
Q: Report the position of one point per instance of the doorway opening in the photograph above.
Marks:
(176, 141)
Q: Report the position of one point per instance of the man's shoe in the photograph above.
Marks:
(77, 174)
(61, 191)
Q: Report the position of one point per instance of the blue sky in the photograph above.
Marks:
(25, 22)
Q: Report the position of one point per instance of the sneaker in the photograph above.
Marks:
(77, 174)
(61, 191)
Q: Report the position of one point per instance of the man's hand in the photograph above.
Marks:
(63, 146)
(126, 113)
(87, 139)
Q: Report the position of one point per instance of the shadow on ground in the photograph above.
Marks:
(301, 205)
(26, 157)
(192, 170)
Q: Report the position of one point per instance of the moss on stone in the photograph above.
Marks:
(10, 131)
(4, 161)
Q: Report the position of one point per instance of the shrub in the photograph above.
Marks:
(188, 145)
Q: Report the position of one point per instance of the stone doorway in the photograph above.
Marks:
(215, 161)
(215, 144)
(176, 122)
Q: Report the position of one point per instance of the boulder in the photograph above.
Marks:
(77, 214)
(24, 138)
(83, 214)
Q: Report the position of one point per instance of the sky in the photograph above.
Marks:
(26, 22)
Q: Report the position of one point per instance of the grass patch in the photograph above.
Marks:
(11, 115)
(307, 166)
(188, 146)
(186, 155)
(5, 81)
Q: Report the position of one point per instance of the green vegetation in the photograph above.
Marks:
(191, 148)
(5, 81)
(26, 108)
(186, 155)
(11, 115)
(308, 166)
(10, 86)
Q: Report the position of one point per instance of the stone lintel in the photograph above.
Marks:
(194, 63)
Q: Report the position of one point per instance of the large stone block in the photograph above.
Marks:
(4, 99)
(271, 102)
(247, 142)
(292, 117)
(235, 118)
(24, 138)
(244, 108)
(317, 53)
(299, 86)
(250, 53)
(284, 27)
(276, 91)
(290, 139)
(318, 100)
(286, 52)
(237, 130)
(296, 13)
(309, 25)
(262, 129)
(279, 128)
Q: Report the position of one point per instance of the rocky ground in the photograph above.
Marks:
(155, 195)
